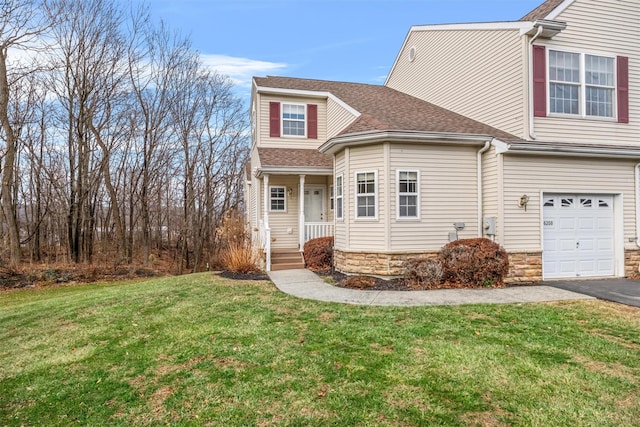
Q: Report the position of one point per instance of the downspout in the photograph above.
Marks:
(532, 133)
(487, 145)
(637, 191)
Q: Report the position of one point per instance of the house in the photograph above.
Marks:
(525, 132)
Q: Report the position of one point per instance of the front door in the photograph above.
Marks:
(313, 204)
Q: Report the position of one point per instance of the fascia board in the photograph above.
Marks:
(260, 172)
(532, 148)
(559, 9)
(334, 144)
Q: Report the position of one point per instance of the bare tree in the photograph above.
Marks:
(20, 24)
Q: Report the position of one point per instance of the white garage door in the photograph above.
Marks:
(577, 236)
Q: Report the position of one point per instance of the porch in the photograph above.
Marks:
(291, 215)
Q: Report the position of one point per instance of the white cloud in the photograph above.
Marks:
(241, 70)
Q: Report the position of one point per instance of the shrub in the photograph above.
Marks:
(474, 262)
(318, 253)
(358, 282)
(422, 273)
(236, 253)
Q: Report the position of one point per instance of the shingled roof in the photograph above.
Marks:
(542, 11)
(384, 109)
(294, 158)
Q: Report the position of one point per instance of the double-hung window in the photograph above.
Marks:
(581, 84)
(277, 199)
(338, 189)
(366, 194)
(293, 119)
(408, 194)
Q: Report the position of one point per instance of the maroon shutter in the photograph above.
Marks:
(539, 82)
(623, 89)
(274, 119)
(312, 121)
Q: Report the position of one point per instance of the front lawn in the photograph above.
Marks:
(202, 350)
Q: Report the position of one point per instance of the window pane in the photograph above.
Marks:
(408, 206)
(563, 98)
(564, 66)
(599, 102)
(598, 70)
(293, 119)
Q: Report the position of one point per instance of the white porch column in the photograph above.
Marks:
(301, 208)
(265, 200)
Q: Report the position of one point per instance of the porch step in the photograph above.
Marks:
(286, 259)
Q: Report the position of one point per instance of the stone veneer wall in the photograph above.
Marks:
(631, 263)
(523, 266)
(380, 264)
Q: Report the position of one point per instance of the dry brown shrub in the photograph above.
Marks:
(236, 254)
(474, 262)
(359, 282)
(318, 253)
(423, 273)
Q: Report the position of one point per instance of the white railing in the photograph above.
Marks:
(265, 243)
(313, 230)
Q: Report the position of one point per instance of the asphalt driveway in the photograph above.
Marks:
(624, 291)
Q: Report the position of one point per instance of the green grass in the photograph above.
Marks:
(201, 350)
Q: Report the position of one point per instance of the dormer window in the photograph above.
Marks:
(293, 119)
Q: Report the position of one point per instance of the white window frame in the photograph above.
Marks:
(339, 197)
(582, 86)
(284, 197)
(331, 198)
(399, 194)
(282, 119)
(357, 195)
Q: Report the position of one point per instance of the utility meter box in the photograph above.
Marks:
(489, 225)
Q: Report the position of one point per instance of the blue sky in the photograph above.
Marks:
(345, 40)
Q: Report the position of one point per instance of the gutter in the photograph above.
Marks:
(260, 172)
(637, 189)
(579, 151)
(371, 137)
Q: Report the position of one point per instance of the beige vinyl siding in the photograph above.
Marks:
(256, 185)
(490, 187)
(338, 118)
(340, 237)
(602, 27)
(281, 222)
(478, 73)
(532, 175)
(447, 194)
(366, 234)
(291, 142)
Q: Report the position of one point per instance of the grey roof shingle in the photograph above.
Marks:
(294, 157)
(542, 11)
(386, 109)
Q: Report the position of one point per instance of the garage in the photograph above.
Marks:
(578, 236)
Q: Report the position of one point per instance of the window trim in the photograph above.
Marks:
(582, 85)
(331, 197)
(284, 197)
(339, 197)
(304, 121)
(374, 194)
(416, 194)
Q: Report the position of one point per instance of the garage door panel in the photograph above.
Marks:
(578, 235)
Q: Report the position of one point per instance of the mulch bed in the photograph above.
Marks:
(395, 284)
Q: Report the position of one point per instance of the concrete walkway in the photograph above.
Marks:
(306, 284)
